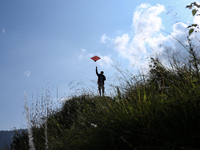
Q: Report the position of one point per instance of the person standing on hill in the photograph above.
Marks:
(101, 79)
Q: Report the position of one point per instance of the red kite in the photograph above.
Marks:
(95, 58)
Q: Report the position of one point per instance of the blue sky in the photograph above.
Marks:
(51, 42)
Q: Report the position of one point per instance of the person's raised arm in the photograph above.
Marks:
(96, 71)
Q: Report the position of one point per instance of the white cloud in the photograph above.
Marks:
(81, 55)
(27, 73)
(176, 42)
(149, 39)
(146, 21)
(121, 43)
(105, 61)
(82, 49)
(146, 25)
(104, 38)
(3, 30)
(197, 20)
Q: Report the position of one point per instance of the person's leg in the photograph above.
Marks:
(103, 89)
(99, 87)
(100, 91)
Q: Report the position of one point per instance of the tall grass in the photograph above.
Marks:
(30, 134)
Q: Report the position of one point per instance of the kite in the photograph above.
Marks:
(95, 58)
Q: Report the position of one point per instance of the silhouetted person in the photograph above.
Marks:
(101, 79)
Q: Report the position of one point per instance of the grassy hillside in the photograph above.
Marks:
(142, 115)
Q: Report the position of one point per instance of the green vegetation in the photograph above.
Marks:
(143, 115)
